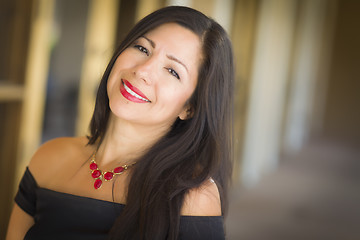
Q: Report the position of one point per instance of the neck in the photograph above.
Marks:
(125, 142)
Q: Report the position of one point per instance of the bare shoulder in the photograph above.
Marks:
(55, 155)
(202, 201)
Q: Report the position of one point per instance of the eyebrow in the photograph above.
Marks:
(150, 41)
(153, 44)
(178, 61)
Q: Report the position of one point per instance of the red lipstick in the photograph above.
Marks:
(131, 93)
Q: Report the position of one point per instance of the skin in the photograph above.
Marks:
(148, 65)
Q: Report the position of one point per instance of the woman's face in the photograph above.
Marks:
(154, 77)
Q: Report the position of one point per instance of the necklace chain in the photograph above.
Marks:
(100, 175)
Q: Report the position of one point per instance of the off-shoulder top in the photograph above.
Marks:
(59, 215)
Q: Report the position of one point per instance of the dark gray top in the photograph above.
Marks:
(60, 215)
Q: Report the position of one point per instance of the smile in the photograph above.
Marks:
(132, 93)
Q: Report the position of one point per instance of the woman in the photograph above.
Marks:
(157, 162)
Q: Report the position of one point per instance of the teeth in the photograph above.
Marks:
(134, 94)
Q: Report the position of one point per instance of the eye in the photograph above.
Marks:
(173, 72)
(142, 49)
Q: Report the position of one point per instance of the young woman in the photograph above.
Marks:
(156, 164)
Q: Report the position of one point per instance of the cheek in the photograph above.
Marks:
(175, 100)
(112, 88)
(110, 83)
(114, 76)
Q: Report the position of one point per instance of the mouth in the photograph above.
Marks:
(131, 93)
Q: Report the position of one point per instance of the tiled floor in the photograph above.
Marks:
(314, 195)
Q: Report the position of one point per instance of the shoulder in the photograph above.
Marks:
(202, 201)
(55, 155)
(59, 148)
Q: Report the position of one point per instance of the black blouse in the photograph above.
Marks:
(60, 215)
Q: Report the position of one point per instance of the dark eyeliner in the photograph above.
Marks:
(142, 49)
(173, 72)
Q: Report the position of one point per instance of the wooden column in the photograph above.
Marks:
(99, 46)
(35, 82)
(243, 38)
(14, 24)
(273, 49)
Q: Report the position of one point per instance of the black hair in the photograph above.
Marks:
(193, 150)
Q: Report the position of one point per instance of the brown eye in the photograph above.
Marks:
(142, 49)
(173, 72)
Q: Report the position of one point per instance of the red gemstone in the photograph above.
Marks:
(96, 173)
(97, 183)
(118, 170)
(108, 175)
(93, 166)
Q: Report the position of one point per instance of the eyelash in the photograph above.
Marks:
(142, 49)
(173, 72)
(170, 70)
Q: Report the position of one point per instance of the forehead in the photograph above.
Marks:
(179, 41)
(174, 31)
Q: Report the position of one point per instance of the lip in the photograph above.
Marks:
(130, 97)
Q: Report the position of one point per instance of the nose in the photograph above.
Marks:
(145, 70)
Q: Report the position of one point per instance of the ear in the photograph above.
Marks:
(186, 113)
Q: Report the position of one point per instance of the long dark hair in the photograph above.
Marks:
(193, 150)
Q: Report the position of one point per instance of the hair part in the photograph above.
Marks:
(193, 150)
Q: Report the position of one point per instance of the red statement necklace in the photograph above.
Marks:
(99, 175)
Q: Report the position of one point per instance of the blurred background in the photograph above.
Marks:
(297, 115)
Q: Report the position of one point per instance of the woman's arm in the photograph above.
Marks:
(20, 222)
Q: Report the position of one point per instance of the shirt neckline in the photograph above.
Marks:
(68, 194)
